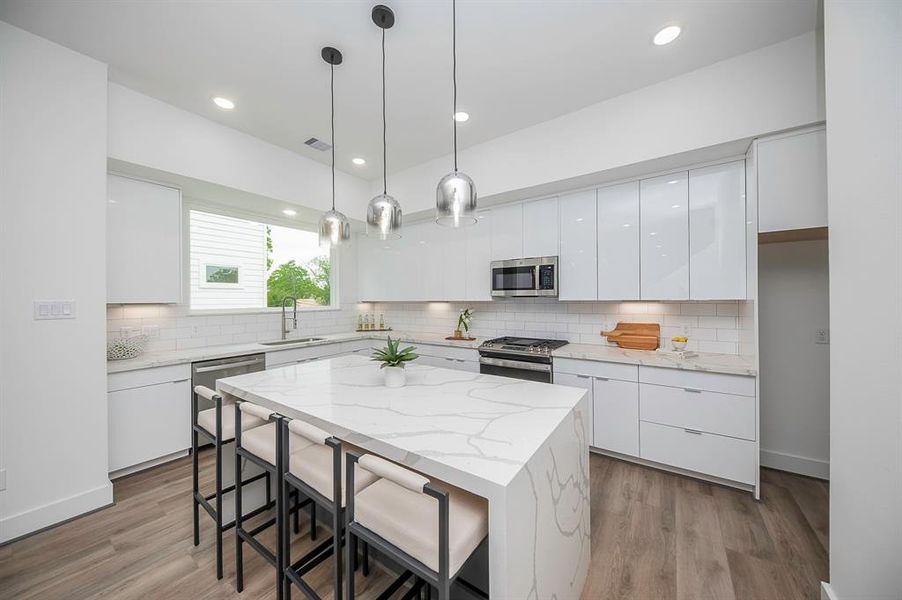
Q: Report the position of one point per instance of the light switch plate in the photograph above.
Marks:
(54, 309)
(151, 330)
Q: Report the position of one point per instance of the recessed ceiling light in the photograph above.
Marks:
(358, 161)
(460, 116)
(675, 206)
(653, 233)
(673, 181)
(290, 212)
(223, 103)
(667, 35)
(626, 225)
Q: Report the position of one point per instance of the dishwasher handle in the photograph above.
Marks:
(226, 366)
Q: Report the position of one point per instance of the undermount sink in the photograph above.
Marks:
(294, 341)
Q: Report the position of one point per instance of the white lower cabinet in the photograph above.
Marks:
(448, 357)
(149, 415)
(614, 403)
(706, 453)
(703, 423)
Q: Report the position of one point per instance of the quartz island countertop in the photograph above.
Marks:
(521, 445)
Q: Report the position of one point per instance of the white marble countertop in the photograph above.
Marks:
(714, 363)
(703, 361)
(475, 431)
(174, 357)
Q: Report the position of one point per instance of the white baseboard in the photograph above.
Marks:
(147, 465)
(802, 465)
(827, 592)
(41, 517)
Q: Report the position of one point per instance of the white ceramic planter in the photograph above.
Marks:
(395, 377)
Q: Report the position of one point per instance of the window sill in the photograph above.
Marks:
(257, 311)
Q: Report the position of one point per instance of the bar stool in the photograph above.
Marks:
(210, 424)
(431, 529)
(259, 446)
(316, 471)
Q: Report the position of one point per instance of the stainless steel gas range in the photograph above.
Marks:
(521, 358)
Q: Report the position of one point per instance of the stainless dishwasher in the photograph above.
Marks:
(207, 372)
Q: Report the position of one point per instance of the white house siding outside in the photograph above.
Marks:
(219, 241)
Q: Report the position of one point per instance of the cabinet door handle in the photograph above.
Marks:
(692, 390)
(602, 379)
(182, 380)
(583, 376)
(692, 431)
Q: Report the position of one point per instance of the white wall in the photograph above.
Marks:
(150, 133)
(774, 88)
(53, 410)
(863, 59)
(794, 371)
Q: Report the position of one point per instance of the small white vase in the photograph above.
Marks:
(395, 377)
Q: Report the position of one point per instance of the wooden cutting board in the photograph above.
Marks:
(635, 336)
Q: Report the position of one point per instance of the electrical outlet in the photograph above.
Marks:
(822, 336)
(151, 330)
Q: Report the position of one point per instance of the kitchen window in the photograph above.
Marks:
(238, 264)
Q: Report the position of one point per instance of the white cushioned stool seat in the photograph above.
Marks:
(313, 466)
(409, 520)
(261, 441)
(207, 420)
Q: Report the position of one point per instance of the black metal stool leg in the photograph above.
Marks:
(239, 556)
(195, 487)
(313, 520)
(366, 559)
(218, 491)
(296, 511)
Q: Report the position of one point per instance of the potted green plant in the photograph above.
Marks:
(463, 323)
(392, 358)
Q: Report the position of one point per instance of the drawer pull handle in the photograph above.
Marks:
(602, 379)
(583, 376)
(692, 390)
(692, 431)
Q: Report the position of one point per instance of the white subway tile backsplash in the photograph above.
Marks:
(711, 326)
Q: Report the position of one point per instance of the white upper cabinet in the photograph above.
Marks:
(664, 237)
(717, 232)
(144, 242)
(618, 242)
(540, 228)
(478, 259)
(451, 261)
(507, 232)
(579, 256)
(792, 182)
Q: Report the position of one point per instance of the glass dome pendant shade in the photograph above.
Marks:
(334, 227)
(383, 214)
(455, 200)
(455, 195)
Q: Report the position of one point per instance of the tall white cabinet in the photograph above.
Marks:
(144, 242)
(540, 228)
(578, 259)
(507, 232)
(618, 242)
(717, 232)
(664, 237)
(478, 257)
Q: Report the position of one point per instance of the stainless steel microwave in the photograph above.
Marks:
(525, 277)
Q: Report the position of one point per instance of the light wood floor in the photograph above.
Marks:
(654, 536)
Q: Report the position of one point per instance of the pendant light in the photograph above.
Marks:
(383, 215)
(334, 227)
(455, 196)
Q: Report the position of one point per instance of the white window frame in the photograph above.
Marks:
(190, 204)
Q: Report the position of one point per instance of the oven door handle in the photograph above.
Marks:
(514, 364)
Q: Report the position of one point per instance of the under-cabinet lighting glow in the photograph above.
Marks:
(667, 35)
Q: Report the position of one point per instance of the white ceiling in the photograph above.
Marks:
(519, 63)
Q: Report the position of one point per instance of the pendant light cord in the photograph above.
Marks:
(454, 72)
(332, 96)
(384, 152)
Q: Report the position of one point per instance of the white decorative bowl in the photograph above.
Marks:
(678, 346)
(126, 347)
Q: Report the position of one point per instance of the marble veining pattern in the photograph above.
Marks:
(485, 425)
(521, 445)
